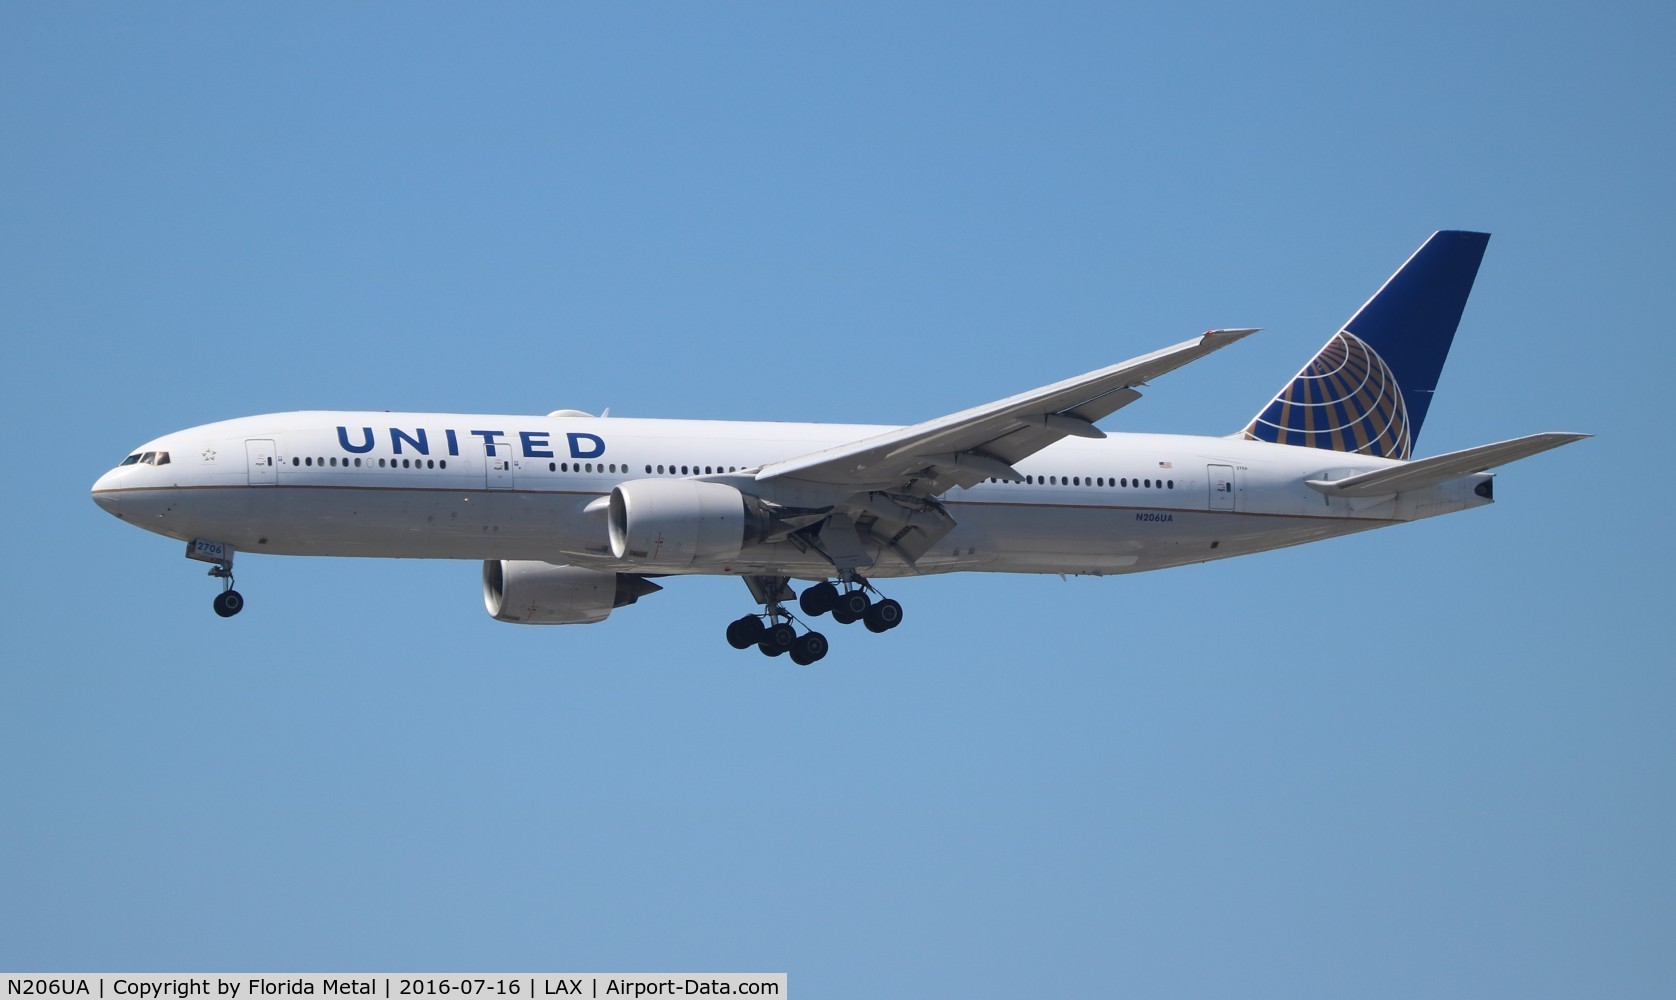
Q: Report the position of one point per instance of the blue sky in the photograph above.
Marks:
(1435, 760)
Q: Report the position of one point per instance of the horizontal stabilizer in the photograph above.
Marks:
(1442, 468)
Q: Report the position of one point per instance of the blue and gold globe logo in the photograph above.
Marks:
(1345, 399)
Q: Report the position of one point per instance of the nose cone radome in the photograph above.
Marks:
(106, 495)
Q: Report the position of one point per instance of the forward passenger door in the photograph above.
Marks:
(259, 456)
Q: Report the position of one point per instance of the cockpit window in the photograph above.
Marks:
(147, 458)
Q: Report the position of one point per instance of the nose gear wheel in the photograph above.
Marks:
(229, 602)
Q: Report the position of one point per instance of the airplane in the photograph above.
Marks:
(575, 515)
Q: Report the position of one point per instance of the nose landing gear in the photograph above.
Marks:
(229, 602)
(220, 555)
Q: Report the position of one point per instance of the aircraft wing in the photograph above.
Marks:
(967, 447)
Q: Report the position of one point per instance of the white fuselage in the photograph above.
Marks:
(462, 486)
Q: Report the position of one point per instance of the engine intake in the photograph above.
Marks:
(544, 593)
(671, 524)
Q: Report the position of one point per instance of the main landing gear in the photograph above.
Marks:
(774, 633)
(851, 605)
(775, 636)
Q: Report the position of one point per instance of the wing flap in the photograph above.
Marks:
(1442, 468)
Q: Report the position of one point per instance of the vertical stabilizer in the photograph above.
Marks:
(1368, 389)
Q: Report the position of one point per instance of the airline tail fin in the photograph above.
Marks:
(1368, 389)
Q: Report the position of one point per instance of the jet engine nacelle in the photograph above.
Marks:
(544, 593)
(671, 524)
